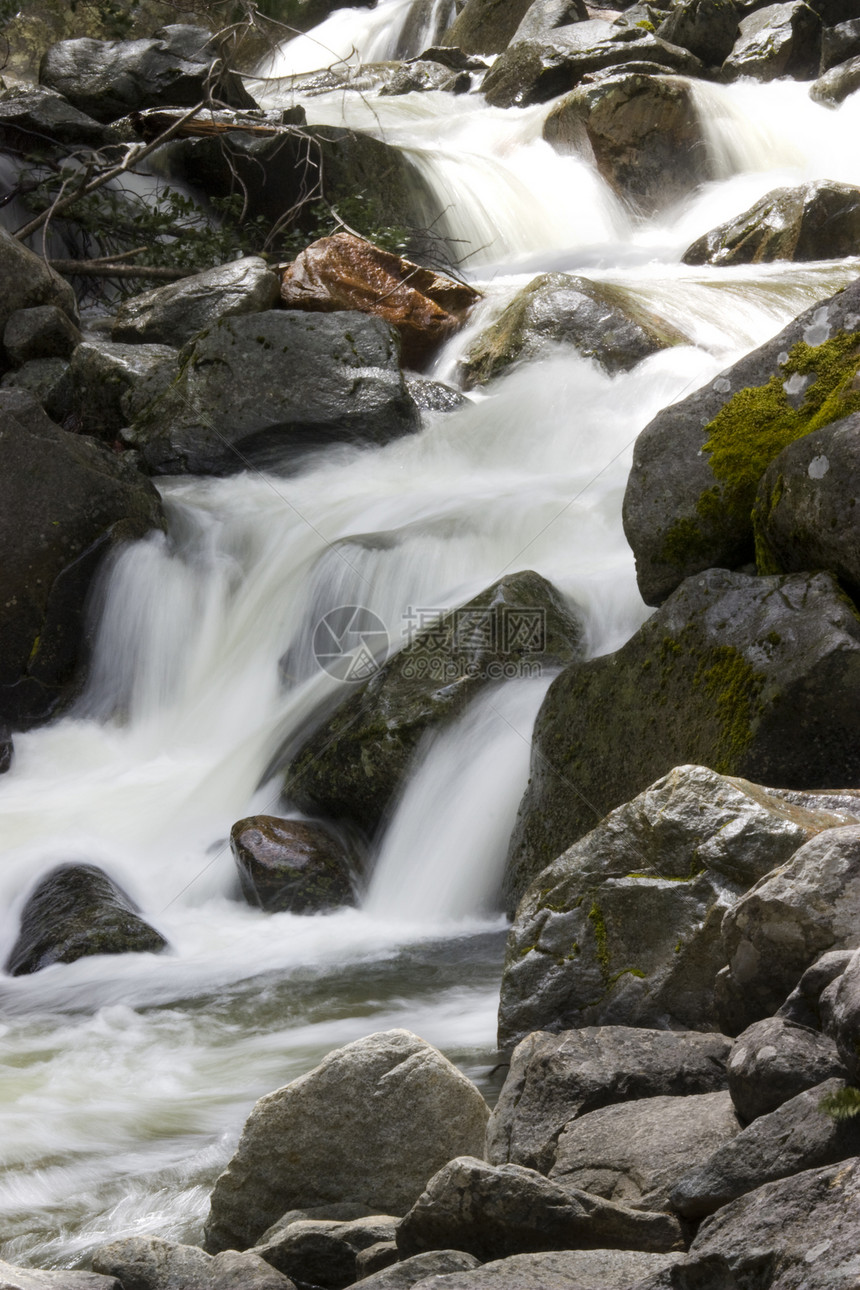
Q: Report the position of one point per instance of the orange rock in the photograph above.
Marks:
(345, 272)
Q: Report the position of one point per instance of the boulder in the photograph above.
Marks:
(433, 396)
(30, 115)
(65, 503)
(26, 281)
(494, 1211)
(43, 379)
(782, 925)
(409, 1272)
(39, 333)
(354, 764)
(795, 1137)
(779, 40)
(816, 221)
(276, 384)
(76, 910)
(91, 397)
(643, 133)
(290, 865)
(348, 272)
(708, 28)
(12, 1278)
(773, 1060)
(803, 1005)
(841, 1005)
(543, 16)
(839, 44)
(419, 75)
(804, 512)
(321, 1252)
(371, 1123)
(561, 1270)
(600, 322)
(178, 67)
(733, 672)
(488, 26)
(148, 1263)
(534, 71)
(697, 465)
(554, 1079)
(635, 1152)
(380, 1256)
(173, 314)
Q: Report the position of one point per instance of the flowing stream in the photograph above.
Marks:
(125, 1081)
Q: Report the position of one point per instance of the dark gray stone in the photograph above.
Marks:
(91, 398)
(43, 379)
(148, 1263)
(26, 281)
(803, 1005)
(779, 40)
(39, 333)
(774, 1060)
(835, 86)
(816, 221)
(840, 1002)
(544, 16)
(290, 865)
(839, 44)
(404, 1275)
(708, 28)
(32, 114)
(321, 1252)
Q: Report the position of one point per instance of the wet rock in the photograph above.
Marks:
(91, 397)
(290, 865)
(371, 1123)
(488, 26)
(65, 503)
(643, 133)
(148, 1263)
(347, 272)
(433, 396)
(697, 465)
(42, 379)
(779, 40)
(496, 1211)
(635, 1152)
(421, 74)
(839, 44)
(795, 1137)
(171, 315)
(773, 1060)
(563, 1270)
(26, 281)
(543, 16)
(178, 67)
(840, 1003)
(74, 911)
(554, 1079)
(421, 1267)
(12, 1278)
(42, 332)
(322, 1252)
(804, 516)
(533, 71)
(803, 1005)
(7, 750)
(31, 114)
(353, 765)
(816, 221)
(708, 28)
(835, 86)
(782, 925)
(600, 322)
(277, 383)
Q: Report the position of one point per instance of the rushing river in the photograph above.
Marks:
(125, 1081)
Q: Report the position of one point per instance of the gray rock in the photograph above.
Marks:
(839, 44)
(148, 1263)
(835, 86)
(600, 322)
(643, 133)
(42, 379)
(773, 1060)
(32, 114)
(487, 26)
(635, 1152)
(290, 864)
(496, 1211)
(709, 1273)
(278, 383)
(371, 1123)
(803, 1005)
(841, 1003)
(107, 79)
(354, 764)
(553, 1079)
(816, 221)
(779, 40)
(76, 910)
(804, 512)
(782, 925)
(697, 465)
(323, 1252)
(173, 314)
(563, 1270)
(12, 1278)
(419, 75)
(91, 398)
(708, 28)
(534, 71)
(26, 281)
(433, 396)
(376, 1258)
(42, 332)
(795, 1137)
(435, 1263)
(65, 502)
(543, 16)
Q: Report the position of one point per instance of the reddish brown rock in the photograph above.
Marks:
(345, 272)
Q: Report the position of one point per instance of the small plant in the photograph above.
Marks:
(842, 1105)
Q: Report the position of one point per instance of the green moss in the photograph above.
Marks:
(735, 688)
(637, 972)
(601, 939)
(842, 1105)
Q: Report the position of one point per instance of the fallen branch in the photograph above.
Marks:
(103, 269)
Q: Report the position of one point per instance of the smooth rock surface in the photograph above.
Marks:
(774, 1060)
(31, 114)
(148, 1263)
(815, 221)
(290, 865)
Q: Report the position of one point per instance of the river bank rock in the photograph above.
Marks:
(77, 910)
(230, 400)
(804, 1005)
(26, 282)
(834, 86)
(91, 398)
(178, 67)
(496, 1211)
(556, 1078)
(173, 314)
(601, 322)
(65, 503)
(816, 221)
(371, 1124)
(840, 1007)
(39, 333)
(643, 133)
(488, 26)
(12, 1278)
(148, 1263)
(778, 40)
(322, 1252)
(419, 75)
(697, 465)
(839, 44)
(32, 114)
(353, 765)
(774, 1060)
(348, 272)
(421, 1267)
(290, 865)
(707, 28)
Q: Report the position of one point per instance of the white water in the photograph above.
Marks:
(125, 1081)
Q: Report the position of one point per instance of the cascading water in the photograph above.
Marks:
(143, 1067)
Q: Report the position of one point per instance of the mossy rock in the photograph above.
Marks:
(697, 465)
(776, 41)
(816, 221)
(758, 677)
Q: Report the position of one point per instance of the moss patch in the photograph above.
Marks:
(601, 939)
(843, 1105)
(735, 688)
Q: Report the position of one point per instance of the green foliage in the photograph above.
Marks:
(842, 1105)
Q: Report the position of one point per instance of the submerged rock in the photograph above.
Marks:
(778, 40)
(74, 911)
(816, 221)
(290, 865)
